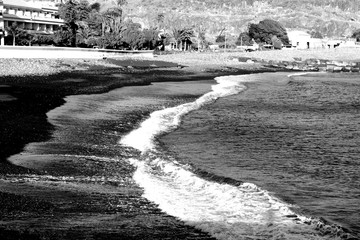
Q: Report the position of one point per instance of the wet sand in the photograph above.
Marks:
(77, 196)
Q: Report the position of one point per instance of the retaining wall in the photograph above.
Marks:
(59, 52)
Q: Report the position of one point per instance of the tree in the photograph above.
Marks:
(220, 39)
(185, 36)
(151, 38)
(63, 37)
(175, 25)
(94, 22)
(42, 39)
(199, 32)
(15, 31)
(109, 40)
(121, 3)
(113, 19)
(83, 33)
(73, 12)
(132, 36)
(267, 28)
(95, 6)
(160, 20)
(356, 35)
(244, 40)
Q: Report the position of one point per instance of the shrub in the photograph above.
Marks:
(244, 40)
(276, 42)
(267, 28)
(356, 35)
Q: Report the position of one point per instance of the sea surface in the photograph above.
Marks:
(260, 156)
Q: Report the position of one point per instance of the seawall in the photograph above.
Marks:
(65, 52)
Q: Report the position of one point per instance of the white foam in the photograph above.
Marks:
(167, 119)
(223, 210)
(303, 74)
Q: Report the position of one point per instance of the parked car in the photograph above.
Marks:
(251, 48)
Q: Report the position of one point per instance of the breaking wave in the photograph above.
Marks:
(226, 211)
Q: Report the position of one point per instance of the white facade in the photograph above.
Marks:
(34, 16)
(303, 40)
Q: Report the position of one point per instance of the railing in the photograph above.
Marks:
(38, 18)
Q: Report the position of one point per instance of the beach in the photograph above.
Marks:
(30, 88)
(77, 177)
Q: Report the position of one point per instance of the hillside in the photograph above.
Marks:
(332, 18)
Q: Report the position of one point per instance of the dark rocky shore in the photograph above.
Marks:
(312, 64)
(25, 100)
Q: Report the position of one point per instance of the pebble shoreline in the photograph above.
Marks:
(334, 60)
(317, 65)
(43, 67)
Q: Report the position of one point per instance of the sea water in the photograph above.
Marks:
(291, 143)
(261, 156)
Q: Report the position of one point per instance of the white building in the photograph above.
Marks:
(303, 40)
(34, 16)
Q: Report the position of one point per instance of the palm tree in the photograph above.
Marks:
(14, 31)
(121, 3)
(113, 18)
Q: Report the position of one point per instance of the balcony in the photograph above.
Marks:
(32, 18)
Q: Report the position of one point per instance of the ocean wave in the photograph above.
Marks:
(168, 119)
(223, 210)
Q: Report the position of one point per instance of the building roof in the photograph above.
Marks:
(21, 3)
(29, 4)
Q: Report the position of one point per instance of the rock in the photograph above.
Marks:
(256, 59)
(339, 63)
(285, 63)
(330, 68)
(346, 69)
(243, 59)
(337, 69)
(323, 61)
(355, 69)
(322, 68)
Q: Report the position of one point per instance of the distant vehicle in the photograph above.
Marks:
(249, 48)
(214, 47)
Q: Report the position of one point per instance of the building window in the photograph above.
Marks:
(20, 13)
